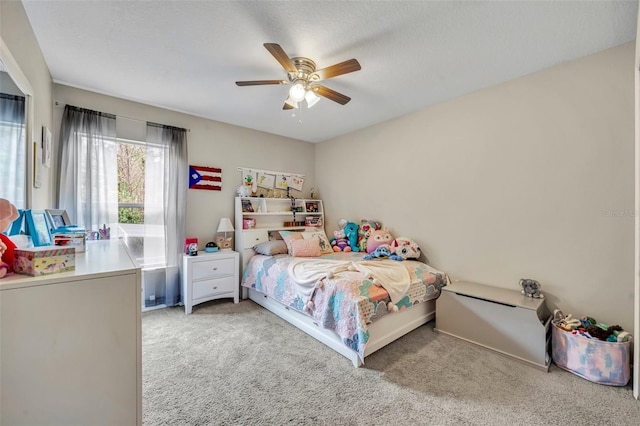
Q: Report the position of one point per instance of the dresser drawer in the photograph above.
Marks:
(213, 268)
(214, 286)
(251, 238)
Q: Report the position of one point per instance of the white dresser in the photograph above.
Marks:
(209, 276)
(71, 343)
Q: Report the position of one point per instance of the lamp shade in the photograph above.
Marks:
(311, 99)
(291, 102)
(225, 225)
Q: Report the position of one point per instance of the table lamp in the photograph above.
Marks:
(225, 226)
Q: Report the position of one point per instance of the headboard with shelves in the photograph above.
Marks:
(258, 219)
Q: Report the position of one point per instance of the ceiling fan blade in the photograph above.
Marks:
(281, 57)
(330, 94)
(260, 82)
(287, 106)
(335, 70)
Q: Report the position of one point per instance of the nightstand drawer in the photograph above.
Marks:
(213, 268)
(212, 287)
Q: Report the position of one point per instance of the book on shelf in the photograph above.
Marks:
(247, 207)
(313, 221)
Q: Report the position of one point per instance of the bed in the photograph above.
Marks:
(340, 299)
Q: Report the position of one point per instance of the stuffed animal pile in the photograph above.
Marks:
(8, 213)
(372, 238)
(589, 328)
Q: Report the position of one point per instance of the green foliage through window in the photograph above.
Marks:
(131, 159)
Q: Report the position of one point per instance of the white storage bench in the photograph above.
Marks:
(500, 319)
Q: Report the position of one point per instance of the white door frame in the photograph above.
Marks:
(636, 315)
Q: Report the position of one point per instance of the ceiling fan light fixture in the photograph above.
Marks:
(291, 102)
(297, 91)
(311, 98)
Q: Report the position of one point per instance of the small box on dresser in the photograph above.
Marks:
(210, 276)
(36, 261)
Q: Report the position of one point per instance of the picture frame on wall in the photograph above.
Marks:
(46, 147)
(37, 165)
(37, 227)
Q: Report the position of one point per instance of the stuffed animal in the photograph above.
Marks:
(4, 267)
(339, 241)
(8, 213)
(377, 238)
(364, 230)
(531, 288)
(403, 248)
(351, 232)
(383, 250)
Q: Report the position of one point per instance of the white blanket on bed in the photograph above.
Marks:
(306, 274)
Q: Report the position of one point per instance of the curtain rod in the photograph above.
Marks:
(269, 172)
(59, 105)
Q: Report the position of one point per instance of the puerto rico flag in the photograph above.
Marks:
(201, 177)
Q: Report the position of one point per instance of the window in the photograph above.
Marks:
(103, 171)
(131, 159)
(143, 237)
(13, 150)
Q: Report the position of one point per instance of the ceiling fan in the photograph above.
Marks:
(304, 78)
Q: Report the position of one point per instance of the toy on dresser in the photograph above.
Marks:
(8, 213)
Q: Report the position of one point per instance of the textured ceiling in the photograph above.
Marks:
(186, 55)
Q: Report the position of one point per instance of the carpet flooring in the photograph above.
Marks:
(238, 364)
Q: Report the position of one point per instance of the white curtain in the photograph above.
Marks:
(88, 186)
(13, 150)
(166, 174)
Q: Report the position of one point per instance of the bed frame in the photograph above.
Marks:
(382, 332)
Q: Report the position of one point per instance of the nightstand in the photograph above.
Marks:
(209, 276)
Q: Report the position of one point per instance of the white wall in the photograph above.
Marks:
(210, 143)
(533, 178)
(17, 34)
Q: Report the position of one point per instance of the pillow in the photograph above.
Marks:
(289, 237)
(305, 248)
(323, 241)
(271, 248)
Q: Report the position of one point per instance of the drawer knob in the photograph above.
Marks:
(215, 287)
(215, 269)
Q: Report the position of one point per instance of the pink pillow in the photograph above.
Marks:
(305, 248)
(289, 237)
